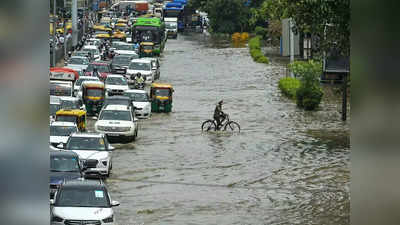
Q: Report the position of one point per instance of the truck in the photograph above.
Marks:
(171, 26)
(175, 10)
(140, 6)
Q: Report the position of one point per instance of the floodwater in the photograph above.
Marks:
(286, 166)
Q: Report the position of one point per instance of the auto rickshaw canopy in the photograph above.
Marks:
(71, 112)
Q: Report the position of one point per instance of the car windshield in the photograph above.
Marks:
(70, 104)
(125, 47)
(115, 115)
(62, 130)
(138, 97)
(60, 90)
(95, 92)
(147, 47)
(78, 61)
(54, 108)
(64, 164)
(100, 68)
(170, 25)
(162, 92)
(82, 196)
(92, 51)
(66, 118)
(116, 81)
(86, 143)
(132, 56)
(121, 60)
(80, 54)
(139, 66)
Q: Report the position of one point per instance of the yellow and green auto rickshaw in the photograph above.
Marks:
(146, 49)
(161, 97)
(72, 115)
(93, 93)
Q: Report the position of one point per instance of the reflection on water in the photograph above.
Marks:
(285, 167)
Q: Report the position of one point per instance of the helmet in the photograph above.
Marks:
(139, 74)
(221, 102)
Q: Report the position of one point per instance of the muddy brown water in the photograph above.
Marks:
(285, 167)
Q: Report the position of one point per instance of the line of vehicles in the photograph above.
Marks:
(101, 81)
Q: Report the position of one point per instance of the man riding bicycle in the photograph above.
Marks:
(219, 115)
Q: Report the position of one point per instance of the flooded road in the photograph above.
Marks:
(285, 167)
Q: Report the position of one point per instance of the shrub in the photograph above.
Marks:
(309, 98)
(289, 86)
(255, 50)
(309, 94)
(261, 31)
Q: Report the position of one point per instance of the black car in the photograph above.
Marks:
(120, 63)
(64, 165)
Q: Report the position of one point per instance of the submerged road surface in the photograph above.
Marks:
(285, 167)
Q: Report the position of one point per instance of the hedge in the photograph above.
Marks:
(255, 50)
(289, 86)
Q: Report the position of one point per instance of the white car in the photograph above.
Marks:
(81, 79)
(155, 66)
(94, 151)
(117, 122)
(142, 66)
(94, 50)
(60, 131)
(115, 85)
(93, 41)
(140, 99)
(77, 63)
(82, 201)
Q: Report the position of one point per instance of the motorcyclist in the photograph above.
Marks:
(95, 72)
(139, 79)
(219, 115)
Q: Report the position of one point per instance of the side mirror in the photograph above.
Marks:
(114, 203)
(61, 146)
(51, 201)
(111, 148)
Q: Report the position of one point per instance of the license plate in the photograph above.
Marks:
(161, 107)
(113, 135)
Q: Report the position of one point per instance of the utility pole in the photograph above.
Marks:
(54, 33)
(65, 30)
(344, 96)
(291, 43)
(74, 13)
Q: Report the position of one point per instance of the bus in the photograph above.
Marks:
(150, 30)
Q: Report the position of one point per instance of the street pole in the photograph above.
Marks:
(54, 33)
(344, 96)
(291, 43)
(74, 13)
(65, 32)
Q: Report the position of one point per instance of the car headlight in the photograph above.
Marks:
(56, 219)
(123, 129)
(109, 219)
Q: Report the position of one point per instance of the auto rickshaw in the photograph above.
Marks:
(93, 93)
(120, 26)
(146, 49)
(73, 115)
(161, 97)
(118, 36)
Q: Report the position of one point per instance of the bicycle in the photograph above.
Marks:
(211, 125)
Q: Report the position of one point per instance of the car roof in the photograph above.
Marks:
(78, 56)
(116, 107)
(115, 75)
(100, 63)
(99, 135)
(142, 60)
(83, 183)
(88, 77)
(64, 153)
(64, 124)
(68, 98)
(135, 91)
(90, 47)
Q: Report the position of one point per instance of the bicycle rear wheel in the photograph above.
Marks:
(232, 126)
(208, 125)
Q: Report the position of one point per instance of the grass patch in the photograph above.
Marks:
(255, 50)
(289, 86)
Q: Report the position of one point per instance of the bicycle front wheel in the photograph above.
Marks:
(232, 126)
(208, 125)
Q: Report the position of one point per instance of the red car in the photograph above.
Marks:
(103, 68)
